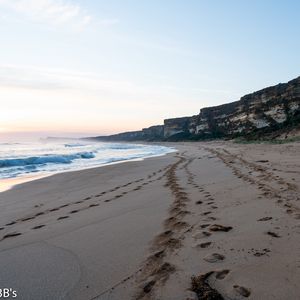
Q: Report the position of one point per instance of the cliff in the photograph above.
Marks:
(152, 133)
(267, 110)
(262, 112)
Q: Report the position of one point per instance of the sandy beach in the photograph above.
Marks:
(225, 213)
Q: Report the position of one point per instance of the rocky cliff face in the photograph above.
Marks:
(177, 125)
(271, 107)
(267, 110)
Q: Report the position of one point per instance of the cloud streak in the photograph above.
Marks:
(51, 79)
(53, 12)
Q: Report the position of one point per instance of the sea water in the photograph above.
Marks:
(49, 157)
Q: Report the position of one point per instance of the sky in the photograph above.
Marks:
(93, 67)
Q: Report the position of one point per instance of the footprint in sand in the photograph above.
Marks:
(214, 257)
(172, 243)
(222, 274)
(206, 213)
(163, 271)
(54, 209)
(211, 219)
(170, 220)
(73, 212)
(27, 219)
(11, 223)
(259, 253)
(166, 233)
(265, 219)
(63, 217)
(183, 213)
(242, 291)
(273, 234)
(39, 214)
(204, 245)
(148, 286)
(217, 227)
(202, 288)
(204, 225)
(159, 254)
(10, 235)
(201, 235)
(38, 226)
(180, 225)
(93, 205)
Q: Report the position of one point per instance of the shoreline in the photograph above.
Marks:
(225, 213)
(7, 184)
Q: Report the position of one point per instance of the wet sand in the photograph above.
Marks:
(9, 183)
(227, 214)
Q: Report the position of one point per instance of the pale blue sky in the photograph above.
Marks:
(107, 66)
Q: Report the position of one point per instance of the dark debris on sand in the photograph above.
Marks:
(202, 288)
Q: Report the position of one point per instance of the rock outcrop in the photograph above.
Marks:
(264, 111)
(179, 125)
(152, 133)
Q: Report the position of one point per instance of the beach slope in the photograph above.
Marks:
(225, 214)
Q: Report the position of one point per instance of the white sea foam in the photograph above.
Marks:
(44, 159)
(74, 145)
(18, 159)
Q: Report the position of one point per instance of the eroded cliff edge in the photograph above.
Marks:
(265, 112)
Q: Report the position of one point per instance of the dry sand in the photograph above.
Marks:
(225, 213)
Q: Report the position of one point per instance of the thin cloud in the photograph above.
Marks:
(87, 83)
(50, 78)
(54, 12)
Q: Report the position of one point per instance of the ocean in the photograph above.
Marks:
(47, 157)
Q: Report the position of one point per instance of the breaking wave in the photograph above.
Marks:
(45, 159)
(74, 145)
(60, 156)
